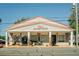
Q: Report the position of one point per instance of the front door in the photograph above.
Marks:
(38, 36)
(24, 40)
(39, 39)
(53, 41)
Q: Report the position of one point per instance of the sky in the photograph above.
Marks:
(10, 12)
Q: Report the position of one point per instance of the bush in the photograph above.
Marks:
(2, 37)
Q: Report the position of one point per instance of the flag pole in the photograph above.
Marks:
(76, 25)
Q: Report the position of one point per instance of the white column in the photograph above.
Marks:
(50, 38)
(71, 38)
(20, 38)
(28, 37)
(6, 41)
(57, 37)
(10, 39)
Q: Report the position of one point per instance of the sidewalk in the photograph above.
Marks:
(39, 51)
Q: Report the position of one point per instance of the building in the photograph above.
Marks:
(38, 31)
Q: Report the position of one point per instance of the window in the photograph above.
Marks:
(61, 38)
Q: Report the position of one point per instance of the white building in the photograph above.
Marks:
(38, 30)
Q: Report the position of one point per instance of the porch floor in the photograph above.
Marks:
(59, 44)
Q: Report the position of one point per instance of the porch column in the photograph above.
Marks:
(57, 37)
(49, 38)
(28, 38)
(6, 41)
(10, 39)
(71, 38)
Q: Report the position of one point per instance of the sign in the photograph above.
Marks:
(40, 27)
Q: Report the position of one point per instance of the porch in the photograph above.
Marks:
(39, 39)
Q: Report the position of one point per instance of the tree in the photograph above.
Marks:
(72, 19)
(20, 20)
(0, 20)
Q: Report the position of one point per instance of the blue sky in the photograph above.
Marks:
(9, 13)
